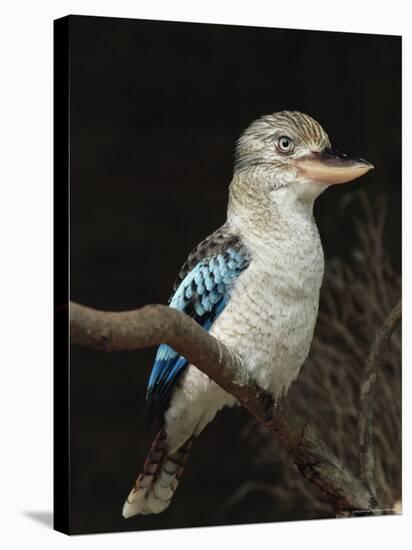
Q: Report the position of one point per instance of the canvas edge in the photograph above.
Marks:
(61, 379)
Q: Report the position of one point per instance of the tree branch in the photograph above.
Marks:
(367, 388)
(156, 324)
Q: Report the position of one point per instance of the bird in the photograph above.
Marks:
(253, 283)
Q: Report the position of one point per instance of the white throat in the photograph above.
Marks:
(270, 216)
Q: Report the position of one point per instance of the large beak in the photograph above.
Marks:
(332, 167)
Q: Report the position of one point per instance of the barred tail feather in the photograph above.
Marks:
(156, 485)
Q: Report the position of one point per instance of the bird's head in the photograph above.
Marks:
(291, 150)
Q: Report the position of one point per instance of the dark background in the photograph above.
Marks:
(155, 109)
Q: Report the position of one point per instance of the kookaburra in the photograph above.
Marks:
(253, 283)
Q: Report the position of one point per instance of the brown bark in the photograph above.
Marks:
(156, 324)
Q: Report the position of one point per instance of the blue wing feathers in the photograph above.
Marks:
(203, 293)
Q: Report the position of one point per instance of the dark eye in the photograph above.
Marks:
(285, 144)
